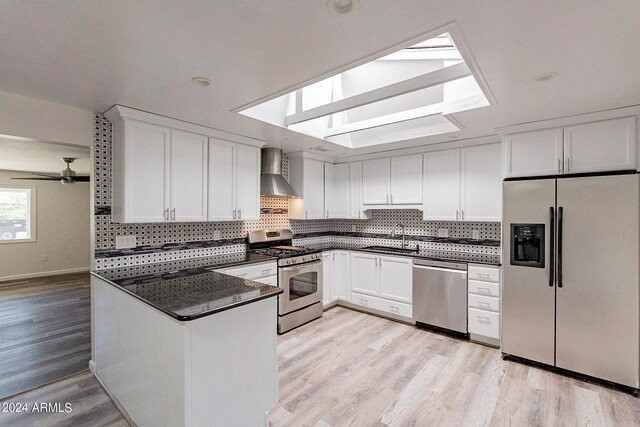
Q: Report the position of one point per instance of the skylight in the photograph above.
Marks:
(404, 95)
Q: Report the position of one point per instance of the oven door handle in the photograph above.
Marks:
(300, 267)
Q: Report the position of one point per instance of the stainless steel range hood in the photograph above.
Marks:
(272, 183)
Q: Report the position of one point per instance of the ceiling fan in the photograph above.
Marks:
(67, 176)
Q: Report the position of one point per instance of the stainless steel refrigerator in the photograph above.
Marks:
(571, 296)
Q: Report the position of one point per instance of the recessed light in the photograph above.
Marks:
(544, 77)
(342, 7)
(201, 81)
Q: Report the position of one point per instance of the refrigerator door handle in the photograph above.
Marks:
(552, 247)
(560, 214)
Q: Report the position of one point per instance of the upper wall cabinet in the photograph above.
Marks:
(392, 181)
(463, 184)
(606, 145)
(234, 181)
(306, 176)
(163, 171)
(159, 174)
(337, 199)
(356, 208)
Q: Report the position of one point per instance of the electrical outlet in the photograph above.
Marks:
(353, 227)
(217, 235)
(475, 234)
(125, 242)
(443, 232)
(43, 258)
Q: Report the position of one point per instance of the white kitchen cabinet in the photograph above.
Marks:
(339, 197)
(382, 283)
(257, 271)
(463, 184)
(534, 153)
(306, 177)
(394, 181)
(442, 185)
(481, 183)
(327, 287)
(159, 173)
(329, 177)
(607, 145)
(222, 180)
(364, 273)
(247, 182)
(484, 303)
(140, 172)
(396, 278)
(188, 176)
(356, 208)
(234, 181)
(340, 277)
(376, 182)
(406, 180)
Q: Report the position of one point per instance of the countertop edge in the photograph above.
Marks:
(277, 291)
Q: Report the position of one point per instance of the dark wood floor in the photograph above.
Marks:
(45, 330)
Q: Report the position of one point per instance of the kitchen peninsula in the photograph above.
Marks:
(186, 347)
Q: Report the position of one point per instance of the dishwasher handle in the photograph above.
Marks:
(450, 270)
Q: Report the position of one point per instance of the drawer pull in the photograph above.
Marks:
(363, 301)
(242, 275)
(486, 304)
(484, 289)
(266, 271)
(394, 309)
(485, 275)
(484, 319)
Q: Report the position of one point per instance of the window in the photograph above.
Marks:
(17, 214)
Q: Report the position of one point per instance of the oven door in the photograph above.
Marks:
(302, 286)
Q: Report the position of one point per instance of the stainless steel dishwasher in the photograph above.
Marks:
(440, 294)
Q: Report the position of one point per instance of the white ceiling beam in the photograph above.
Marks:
(441, 108)
(424, 81)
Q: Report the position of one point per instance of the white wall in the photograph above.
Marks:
(62, 230)
(48, 121)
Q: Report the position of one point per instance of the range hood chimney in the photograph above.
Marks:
(272, 183)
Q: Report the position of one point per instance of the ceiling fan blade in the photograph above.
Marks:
(82, 178)
(41, 179)
(48, 175)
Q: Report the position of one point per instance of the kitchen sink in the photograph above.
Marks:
(392, 249)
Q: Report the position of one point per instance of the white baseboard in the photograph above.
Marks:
(115, 401)
(44, 274)
(92, 366)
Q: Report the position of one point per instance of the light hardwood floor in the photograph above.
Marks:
(350, 368)
(45, 330)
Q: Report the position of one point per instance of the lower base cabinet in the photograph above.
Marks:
(484, 304)
(382, 283)
(335, 277)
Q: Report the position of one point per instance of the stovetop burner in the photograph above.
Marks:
(279, 243)
(282, 251)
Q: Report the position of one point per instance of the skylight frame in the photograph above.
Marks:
(455, 36)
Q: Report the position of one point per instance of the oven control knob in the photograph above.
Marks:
(304, 258)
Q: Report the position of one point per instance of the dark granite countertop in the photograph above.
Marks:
(454, 256)
(192, 291)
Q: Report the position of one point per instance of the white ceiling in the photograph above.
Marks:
(142, 54)
(45, 157)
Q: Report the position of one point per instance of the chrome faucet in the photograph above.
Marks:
(393, 234)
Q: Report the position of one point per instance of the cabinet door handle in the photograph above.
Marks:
(239, 213)
(359, 214)
(387, 199)
(173, 214)
(392, 199)
(234, 214)
(457, 212)
(462, 215)
(559, 166)
(306, 215)
(568, 164)
(166, 214)
(327, 214)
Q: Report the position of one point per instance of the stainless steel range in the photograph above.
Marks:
(299, 275)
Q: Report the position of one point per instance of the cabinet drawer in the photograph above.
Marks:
(484, 303)
(485, 323)
(484, 288)
(253, 271)
(486, 274)
(383, 305)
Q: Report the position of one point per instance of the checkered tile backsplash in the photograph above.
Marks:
(274, 214)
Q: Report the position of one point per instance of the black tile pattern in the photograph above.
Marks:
(455, 240)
